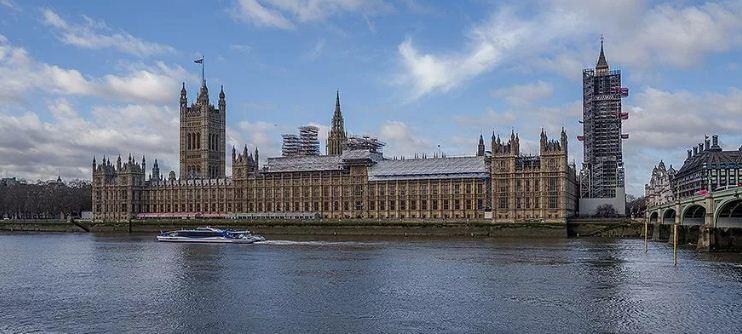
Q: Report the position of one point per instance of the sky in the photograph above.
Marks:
(84, 79)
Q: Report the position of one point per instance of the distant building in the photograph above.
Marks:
(309, 138)
(541, 188)
(291, 145)
(708, 168)
(363, 143)
(602, 174)
(659, 190)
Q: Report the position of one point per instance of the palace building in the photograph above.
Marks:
(352, 181)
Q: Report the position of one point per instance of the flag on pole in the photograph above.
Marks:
(199, 61)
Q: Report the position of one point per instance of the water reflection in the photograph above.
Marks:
(106, 283)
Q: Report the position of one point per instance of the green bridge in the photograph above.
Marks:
(716, 217)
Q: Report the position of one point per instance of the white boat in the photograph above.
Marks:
(210, 235)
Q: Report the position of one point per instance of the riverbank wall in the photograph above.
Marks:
(582, 228)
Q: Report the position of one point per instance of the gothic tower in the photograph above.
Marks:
(202, 135)
(336, 138)
(602, 175)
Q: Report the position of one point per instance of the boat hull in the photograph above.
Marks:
(208, 240)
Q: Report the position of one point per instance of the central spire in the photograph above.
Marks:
(336, 138)
(602, 63)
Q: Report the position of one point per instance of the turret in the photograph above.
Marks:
(480, 147)
(183, 98)
(118, 163)
(144, 164)
(257, 159)
(222, 101)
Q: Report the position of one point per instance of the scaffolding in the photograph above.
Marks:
(309, 137)
(291, 145)
(602, 172)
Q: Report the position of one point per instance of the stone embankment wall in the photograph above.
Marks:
(581, 228)
(39, 225)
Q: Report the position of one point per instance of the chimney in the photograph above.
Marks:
(690, 154)
(700, 147)
(715, 140)
(708, 144)
(695, 151)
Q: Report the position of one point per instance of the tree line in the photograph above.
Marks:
(44, 199)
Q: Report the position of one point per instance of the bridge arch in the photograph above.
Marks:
(668, 216)
(693, 214)
(729, 213)
(654, 217)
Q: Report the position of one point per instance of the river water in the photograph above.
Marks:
(130, 283)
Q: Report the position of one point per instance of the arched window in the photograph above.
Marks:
(188, 141)
(198, 140)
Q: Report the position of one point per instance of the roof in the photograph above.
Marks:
(430, 168)
(306, 163)
(710, 157)
(303, 163)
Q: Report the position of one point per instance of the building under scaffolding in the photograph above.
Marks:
(372, 144)
(309, 136)
(291, 145)
(306, 143)
(602, 174)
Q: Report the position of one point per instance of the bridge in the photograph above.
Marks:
(706, 214)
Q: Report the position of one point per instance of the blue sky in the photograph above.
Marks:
(95, 78)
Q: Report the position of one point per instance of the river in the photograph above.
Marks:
(130, 283)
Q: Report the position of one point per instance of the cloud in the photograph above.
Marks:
(140, 83)
(286, 14)
(93, 34)
(316, 50)
(661, 119)
(524, 95)
(253, 12)
(36, 149)
(562, 35)
(402, 140)
(10, 4)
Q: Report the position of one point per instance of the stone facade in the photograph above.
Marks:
(659, 189)
(353, 181)
(708, 168)
(528, 188)
(202, 136)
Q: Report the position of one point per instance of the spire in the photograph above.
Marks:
(221, 93)
(337, 136)
(480, 147)
(602, 63)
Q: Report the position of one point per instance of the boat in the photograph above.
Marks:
(210, 235)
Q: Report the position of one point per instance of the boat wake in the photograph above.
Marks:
(315, 243)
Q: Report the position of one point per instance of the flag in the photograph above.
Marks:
(199, 61)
